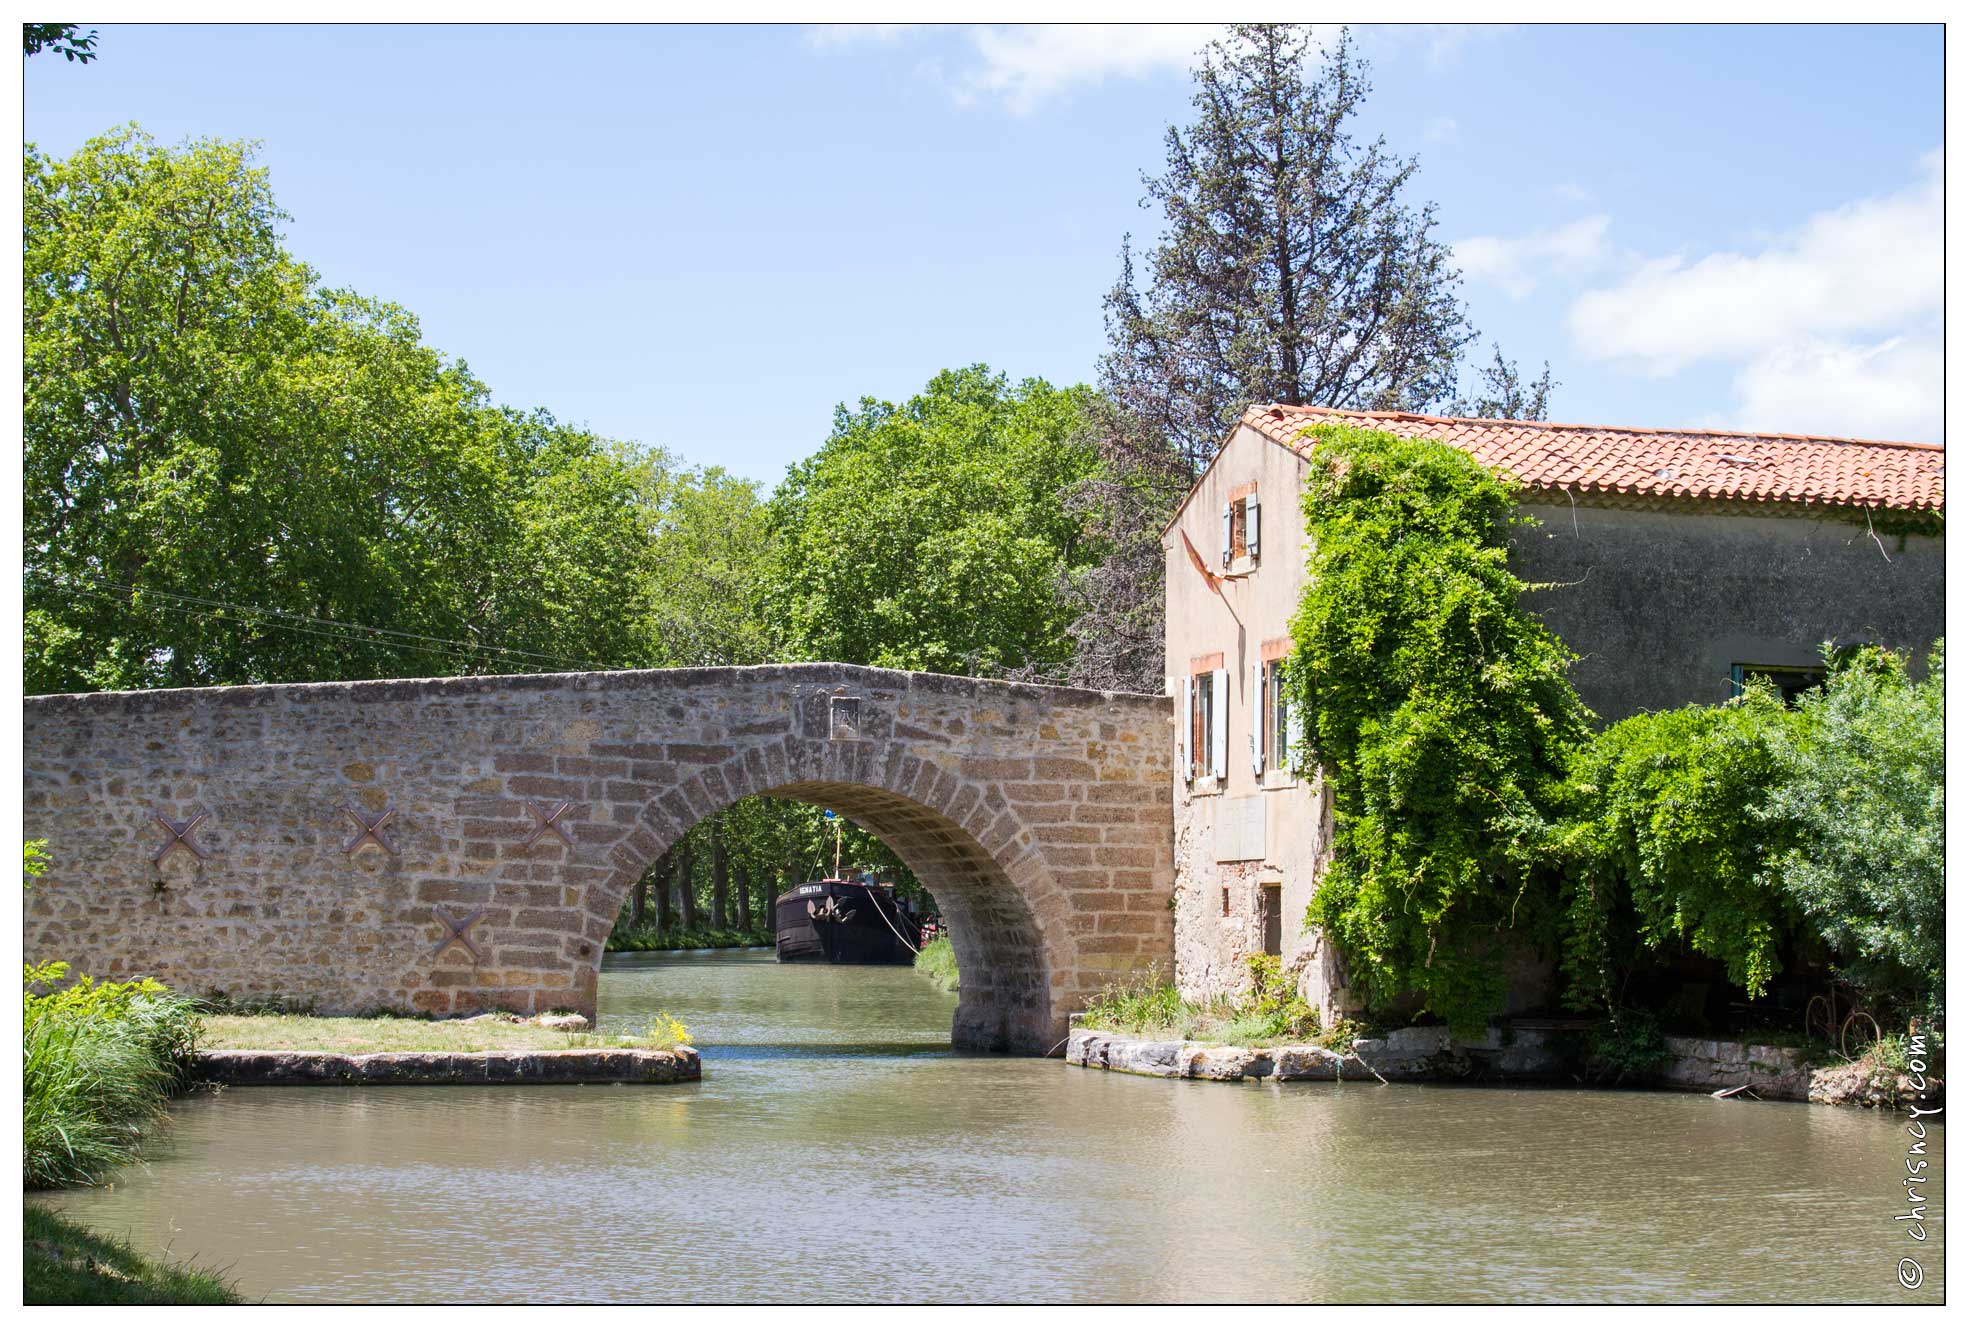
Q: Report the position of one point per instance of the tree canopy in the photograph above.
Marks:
(235, 474)
(931, 535)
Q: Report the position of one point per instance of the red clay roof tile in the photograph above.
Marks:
(1658, 463)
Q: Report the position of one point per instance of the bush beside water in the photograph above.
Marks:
(698, 939)
(99, 1062)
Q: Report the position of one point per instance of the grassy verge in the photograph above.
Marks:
(938, 963)
(698, 939)
(99, 1063)
(1271, 1012)
(65, 1264)
(390, 1033)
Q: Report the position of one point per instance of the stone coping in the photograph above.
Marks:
(1695, 1065)
(520, 1067)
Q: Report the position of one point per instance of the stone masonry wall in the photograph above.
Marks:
(1038, 816)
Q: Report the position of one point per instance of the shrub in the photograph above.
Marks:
(1439, 710)
(1861, 780)
(99, 1061)
(938, 962)
(1660, 840)
(1626, 1044)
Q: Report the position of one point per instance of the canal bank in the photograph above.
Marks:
(1719, 1067)
(832, 1102)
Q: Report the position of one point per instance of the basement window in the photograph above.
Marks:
(1791, 681)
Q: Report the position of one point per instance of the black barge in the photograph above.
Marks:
(844, 920)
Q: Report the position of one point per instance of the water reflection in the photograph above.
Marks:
(838, 1150)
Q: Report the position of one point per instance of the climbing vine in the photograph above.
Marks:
(1438, 709)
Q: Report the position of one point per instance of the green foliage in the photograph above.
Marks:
(932, 535)
(65, 1264)
(1627, 1045)
(696, 939)
(1861, 782)
(34, 860)
(99, 1060)
(1659, 839)
(233, 474)
(75, 45)
(938, 963)
(1145, 1005)
(1439, 710)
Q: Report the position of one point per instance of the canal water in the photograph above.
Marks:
(836, 1150)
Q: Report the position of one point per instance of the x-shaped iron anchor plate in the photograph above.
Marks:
(180, 836)
(455, 930)
(547, 821)
(372, 830)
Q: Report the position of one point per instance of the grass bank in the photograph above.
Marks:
(391, 1033)
(1271, 1011)
(938, 963)
(65, 1264)
(697, 939)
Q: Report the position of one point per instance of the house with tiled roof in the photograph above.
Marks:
(1677, 562)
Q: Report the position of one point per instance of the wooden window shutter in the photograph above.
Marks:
(1220, 714)
(1251, 527)
(1257, 717)
(1227, 535)
(1184, 720)
(1295, 734)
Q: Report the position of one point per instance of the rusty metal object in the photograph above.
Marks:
(372, 830)
(547, 821)
(180, 837)
(455, 930)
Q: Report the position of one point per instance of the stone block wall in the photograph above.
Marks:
(1039, 817)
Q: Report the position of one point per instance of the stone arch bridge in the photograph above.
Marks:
(395, 844)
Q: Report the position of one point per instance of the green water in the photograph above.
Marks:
(837, 1150)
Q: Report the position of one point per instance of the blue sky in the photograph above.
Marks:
(706, 237)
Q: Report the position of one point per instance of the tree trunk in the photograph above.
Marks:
(668, 867)
(743, 876)
(720, 878)
(687, 889)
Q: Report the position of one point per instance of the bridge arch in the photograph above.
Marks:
(1039, 817)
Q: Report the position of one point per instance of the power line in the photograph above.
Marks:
(338, 629)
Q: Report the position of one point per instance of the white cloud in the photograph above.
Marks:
(1021, 66)
(1441, 129)
(1516, 264)
(1873, 266)
(1832, 328)
(1570, 191)
(1891, 389)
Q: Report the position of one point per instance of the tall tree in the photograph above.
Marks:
(1293, 266)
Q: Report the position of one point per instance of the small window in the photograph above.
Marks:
(1206, 697)
(1241, 527)
(1227, 902)
(1791, 681)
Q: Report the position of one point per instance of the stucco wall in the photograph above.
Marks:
(1660, 604)
(1211, 944)
(1038, 816)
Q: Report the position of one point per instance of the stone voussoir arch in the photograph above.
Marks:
(516, 813)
